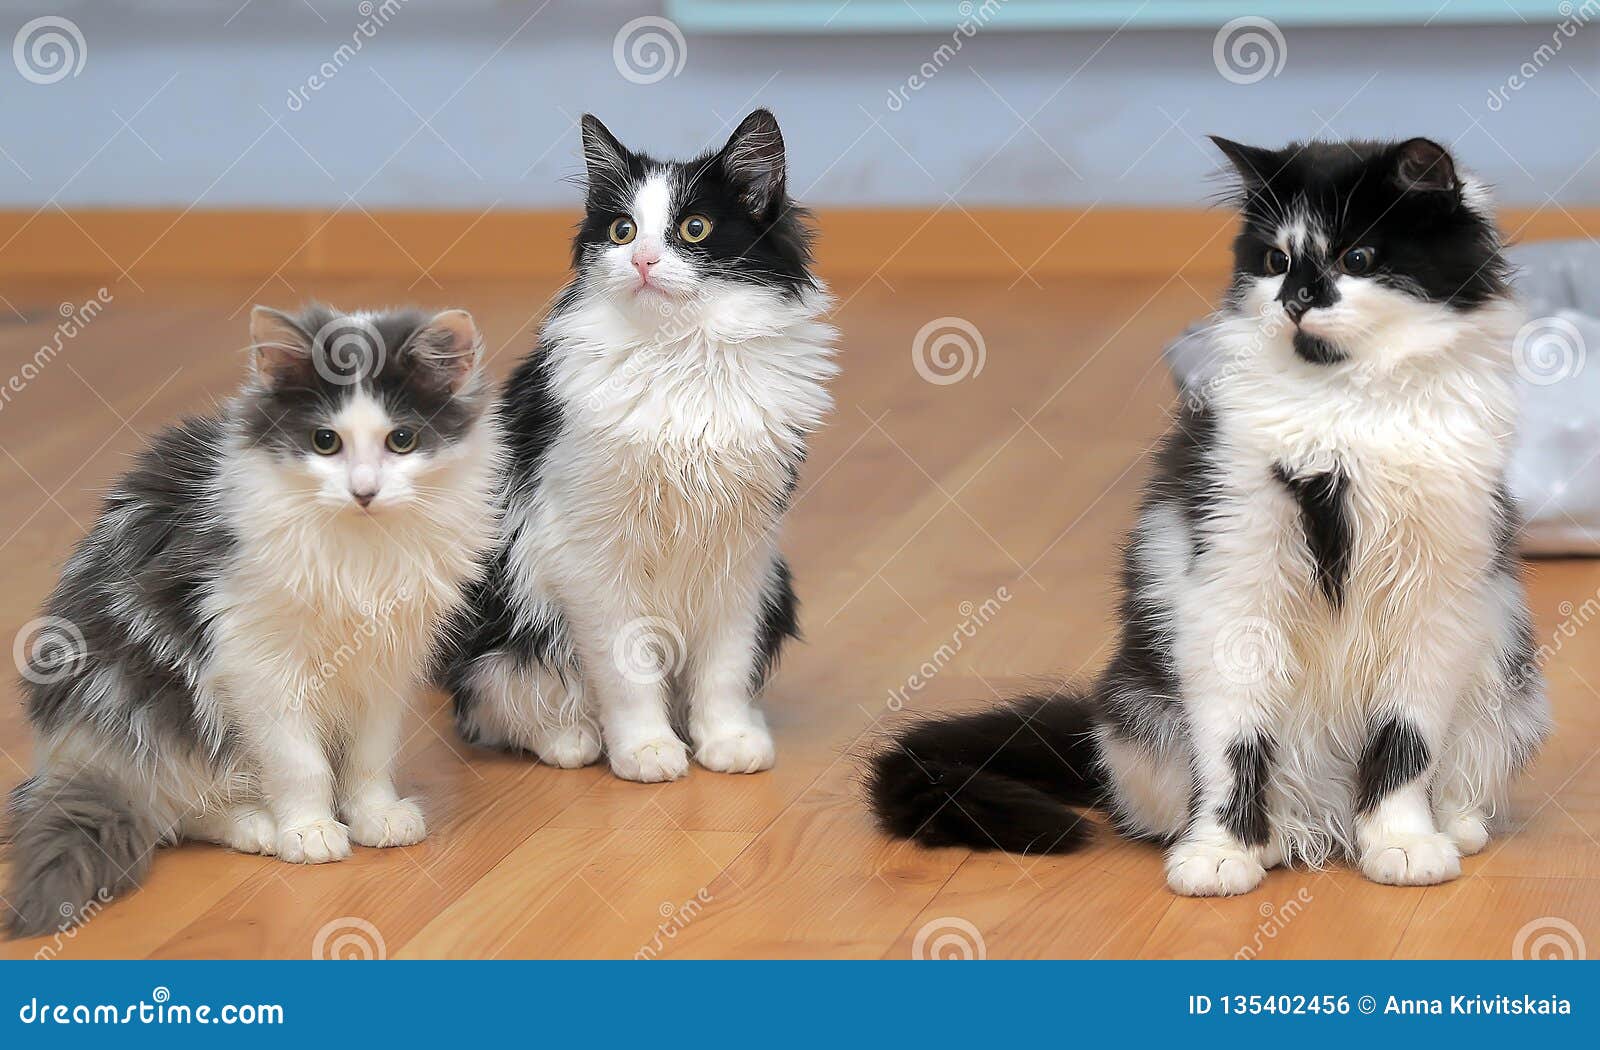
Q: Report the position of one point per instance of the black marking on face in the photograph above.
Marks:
(1245, 812)
(1393, 757)
(1315, 349)
(1325, 517)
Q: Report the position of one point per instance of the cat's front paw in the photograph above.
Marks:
(748, 750)
(652, 761)
(568, 747)
(1469, 831)
(317, 842)
(1411, 860)
(252, 830)
(399, 823)
(1197, 870)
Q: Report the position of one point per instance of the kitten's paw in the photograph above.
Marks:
(1411, 860)
(652, 761)
(1469, 831)
(318, 842)
(399, 823)
(568, 747)
(252, 830)
(748, 750)
(1196, 870)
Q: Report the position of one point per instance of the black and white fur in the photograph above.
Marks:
(236, 639)
(1325, 648)
(656, 434)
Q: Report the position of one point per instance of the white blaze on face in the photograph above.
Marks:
(655, 207)
(364, 465)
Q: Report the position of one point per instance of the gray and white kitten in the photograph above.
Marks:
(229, 651)
(1325, 649)
(655, 434)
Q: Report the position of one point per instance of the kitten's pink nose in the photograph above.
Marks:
(364, 498)
(643, 259)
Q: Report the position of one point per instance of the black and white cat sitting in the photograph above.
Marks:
(656, 435)
(1325, 648)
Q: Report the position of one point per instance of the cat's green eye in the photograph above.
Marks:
(1276, 261)
(1358, 261)
(622, 230)
(325, 442)
(401, 440)
(694, 229)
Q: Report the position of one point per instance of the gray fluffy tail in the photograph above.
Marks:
(73, 840)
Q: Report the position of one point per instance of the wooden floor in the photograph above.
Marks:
(948, 541)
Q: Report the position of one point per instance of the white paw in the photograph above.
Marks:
(318, 842)
(568, 747)
(1469, 831)
(252, 830)
(1196, 870)
(743, 751)
(652, 761)
(1411, 860)
(399, 823)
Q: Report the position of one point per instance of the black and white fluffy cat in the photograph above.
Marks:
(1325, 648)
(656, 433)
(229, 651)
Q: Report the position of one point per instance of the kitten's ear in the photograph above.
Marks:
(1422, 164)
(604, 158)
(754, 162)
(1254, 164)
(449, 346)
(279, 347)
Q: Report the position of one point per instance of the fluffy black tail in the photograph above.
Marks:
(74, 840)
(1000, 779)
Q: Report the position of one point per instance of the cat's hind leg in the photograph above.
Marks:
(504, 703)
(239, 826)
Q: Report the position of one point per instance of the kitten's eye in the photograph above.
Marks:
(1276, 261)
(1358, 261)
(622, 230)
(695, 229)
(402, 440)
(326, 442)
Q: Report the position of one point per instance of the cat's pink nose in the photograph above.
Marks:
(643, 259)
(364, 498)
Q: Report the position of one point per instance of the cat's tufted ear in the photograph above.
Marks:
(279, 348)
(604, 158)
(1254, 164)
(1424, 165)
(753, 161)
(449, 347)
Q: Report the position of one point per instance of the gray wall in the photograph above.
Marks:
(201, 92)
